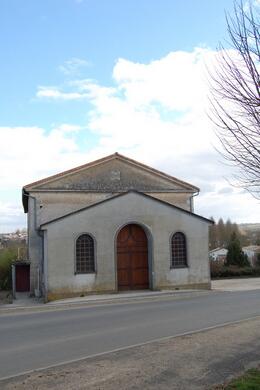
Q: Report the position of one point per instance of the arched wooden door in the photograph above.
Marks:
(132, 258)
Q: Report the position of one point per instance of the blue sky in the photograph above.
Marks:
(37, 37)
(84, 78)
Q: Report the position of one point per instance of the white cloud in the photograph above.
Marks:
(174, 81)
(11, 217)
(68, 128)
(156, 109)
(254, 3)
(238, 205)
(75, 90)
(56, 94)
(155, 113)
(73, 66)
(29, 153)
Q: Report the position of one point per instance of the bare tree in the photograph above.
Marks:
(235, 96)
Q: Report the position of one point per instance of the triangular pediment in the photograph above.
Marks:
(114, 173)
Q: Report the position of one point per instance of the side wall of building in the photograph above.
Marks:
(182, 200)
(35, 245)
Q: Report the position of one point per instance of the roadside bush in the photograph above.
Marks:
(6, 257)
(258, 260)
(235, 255)
(218, 270)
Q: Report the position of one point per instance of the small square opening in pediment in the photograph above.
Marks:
(115, 175)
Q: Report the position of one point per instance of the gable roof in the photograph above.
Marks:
(212, 251)
(124, 194)
(114, 156)
(253, 248)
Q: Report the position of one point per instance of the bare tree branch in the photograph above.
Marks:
(235, 96)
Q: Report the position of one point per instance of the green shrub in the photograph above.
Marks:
(219, 270)
(235, 255)
(258, 260)
(6, 257)
(216, 268)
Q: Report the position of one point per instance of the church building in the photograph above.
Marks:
(113, 225)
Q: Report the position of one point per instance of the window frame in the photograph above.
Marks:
(186, 252)
(76, 272)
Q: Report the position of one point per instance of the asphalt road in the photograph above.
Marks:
(40, 339)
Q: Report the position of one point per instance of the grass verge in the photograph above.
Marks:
(248, 381)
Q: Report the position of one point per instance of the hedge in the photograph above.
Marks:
(6, 257)
(219, 270)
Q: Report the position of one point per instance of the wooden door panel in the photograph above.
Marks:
(140, 278)
(132, 258)
(123, 236)
(123, 260)
(22, 278)
(123, 277)
(139, 260)
(138, 234)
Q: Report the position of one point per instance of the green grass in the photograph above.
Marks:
(249, 381)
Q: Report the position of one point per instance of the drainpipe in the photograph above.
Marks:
(192, 202)
(13, 282)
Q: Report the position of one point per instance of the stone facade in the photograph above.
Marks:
(99, 198)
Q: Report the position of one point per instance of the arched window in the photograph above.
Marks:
(178, 251)
(85, 257)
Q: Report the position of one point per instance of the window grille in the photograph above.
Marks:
(178, 251)
(85, 259)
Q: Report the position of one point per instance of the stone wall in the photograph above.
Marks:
(103, 222)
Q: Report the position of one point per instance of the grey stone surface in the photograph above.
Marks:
(103, 222)
(114, 175)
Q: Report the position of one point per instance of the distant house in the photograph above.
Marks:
(252, 251)
(218, 254)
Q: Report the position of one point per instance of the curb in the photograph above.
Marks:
(101, 302)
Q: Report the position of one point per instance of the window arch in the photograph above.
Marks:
(85, 254)
(178, 250)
